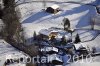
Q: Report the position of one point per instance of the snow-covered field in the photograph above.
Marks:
(34, 18)
(9, 52)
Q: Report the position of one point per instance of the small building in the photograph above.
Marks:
(53, 9)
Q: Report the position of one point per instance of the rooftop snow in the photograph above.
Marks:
(49, 49)
(54, 6)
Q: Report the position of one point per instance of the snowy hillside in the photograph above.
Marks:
(9, 52)
(35, 19)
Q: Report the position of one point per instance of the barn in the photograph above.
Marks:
(53, 9)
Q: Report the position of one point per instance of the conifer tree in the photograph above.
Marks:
(34, 36)
(77, 39)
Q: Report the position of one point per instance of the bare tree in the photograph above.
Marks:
(66, 23)
(11, 20)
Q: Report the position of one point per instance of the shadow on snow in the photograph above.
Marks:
(36, 17)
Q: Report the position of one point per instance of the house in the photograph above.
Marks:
(48, 33)
(53, 9)
(10, 56)
(53, 33)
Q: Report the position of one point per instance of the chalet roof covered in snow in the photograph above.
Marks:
(47, 32)
(54, 6)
